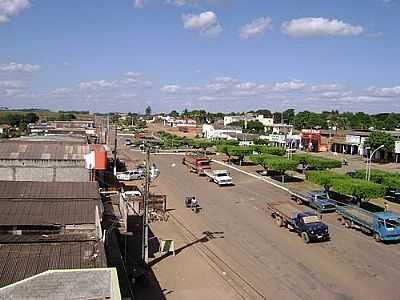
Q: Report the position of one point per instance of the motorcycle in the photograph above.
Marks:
(194, 205)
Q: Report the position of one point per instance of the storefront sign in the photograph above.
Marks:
(278, 138)
(397, 147)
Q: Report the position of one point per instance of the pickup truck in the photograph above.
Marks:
(196, 163)
(307, 224)
(220, 177)
(316, 199)
(130, 175)
(383, 226)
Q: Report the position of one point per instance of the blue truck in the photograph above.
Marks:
(306, 224)
(383, 226)
(318, 200)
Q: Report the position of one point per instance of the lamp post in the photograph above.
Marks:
(368, 170)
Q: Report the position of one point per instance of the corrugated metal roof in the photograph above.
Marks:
(48, 190)
(20, 261)
(43, 150)
(50, 211)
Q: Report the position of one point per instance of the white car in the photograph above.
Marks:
(130, 175)
(135, 193)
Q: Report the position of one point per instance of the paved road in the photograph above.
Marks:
(273, 262)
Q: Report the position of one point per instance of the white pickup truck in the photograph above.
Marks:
(220, 177)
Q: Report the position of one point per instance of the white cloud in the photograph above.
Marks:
(256, 28)
(195, 2)
(11, 84)
(139, 3)
(205, 23)
(9, 8)
(246, 86)
(15, 67)
(170, 88)
(226, 79)
(325, 88)
(182, 2)
(313, 27)
(384, 92)
(97, 84)
(61, 91)
(133, 74)
(293, 85)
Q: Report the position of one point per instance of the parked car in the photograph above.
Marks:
(130, 175)
(134, 193)
(393, 195)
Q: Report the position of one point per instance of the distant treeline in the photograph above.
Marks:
(306, 119)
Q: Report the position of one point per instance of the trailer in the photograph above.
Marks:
(318, 200)
(383, 226)
(196, 163)
(306, 224)
(220, 177)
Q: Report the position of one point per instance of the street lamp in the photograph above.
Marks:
(369, 160)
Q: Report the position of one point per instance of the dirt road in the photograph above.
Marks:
(273, 262)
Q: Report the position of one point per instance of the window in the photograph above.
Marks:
(392, 223)
(311, 219)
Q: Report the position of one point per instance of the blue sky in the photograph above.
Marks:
(219, 55)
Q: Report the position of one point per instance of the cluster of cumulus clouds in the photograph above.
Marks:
(207, 23)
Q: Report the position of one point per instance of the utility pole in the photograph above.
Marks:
(115, 152)
(145, 237)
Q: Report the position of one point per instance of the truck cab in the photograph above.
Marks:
(386, 226)
(310, 227)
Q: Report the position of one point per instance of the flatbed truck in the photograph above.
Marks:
(306, 224)
(383, 226)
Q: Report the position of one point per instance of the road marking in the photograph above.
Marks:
(251, 174)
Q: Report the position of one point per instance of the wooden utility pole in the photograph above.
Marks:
(145, 238)
(115, 151)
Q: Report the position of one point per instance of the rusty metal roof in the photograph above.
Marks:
(48, 190)
(24, 212)
(22, 260)
(42, 150)
(46, 203)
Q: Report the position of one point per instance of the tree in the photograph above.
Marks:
(310, 162)
(265, 112)
(276, 163)
(378, 138)
(148, 111)
(174, 114)
(289, 115)
(360, 189)
(31, 118)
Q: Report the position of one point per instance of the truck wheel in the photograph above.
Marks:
(305, 237)
(279, 221)
(377, 237)
(347, 223)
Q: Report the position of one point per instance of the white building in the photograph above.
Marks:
(214, 131)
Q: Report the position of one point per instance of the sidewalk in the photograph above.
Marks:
(187, 275)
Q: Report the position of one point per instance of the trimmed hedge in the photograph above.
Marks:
(345, 185)
(317, 163)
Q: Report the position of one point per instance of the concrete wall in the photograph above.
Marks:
(17, 173)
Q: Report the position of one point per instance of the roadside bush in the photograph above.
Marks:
(310, 162)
